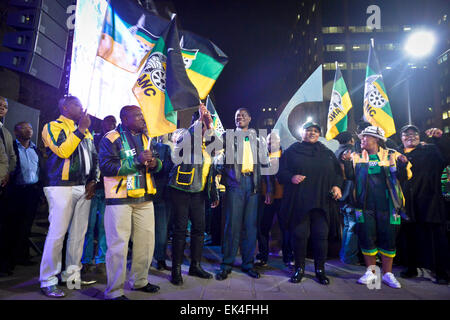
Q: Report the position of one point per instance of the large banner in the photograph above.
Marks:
(111, 43)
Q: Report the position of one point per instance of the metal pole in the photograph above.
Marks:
(409, 101)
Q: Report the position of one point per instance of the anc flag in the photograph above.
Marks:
(377, 109)
(340, 104)
(163, 86)
(204, 61)
(217, 124)
(130, 32)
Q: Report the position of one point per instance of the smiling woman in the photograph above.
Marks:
(312, 178)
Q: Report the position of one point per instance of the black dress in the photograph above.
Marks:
(308, 208)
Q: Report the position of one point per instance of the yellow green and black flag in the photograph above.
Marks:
(163, 86)
(377, 109)
(340, 104)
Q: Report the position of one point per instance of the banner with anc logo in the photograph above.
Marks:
(163, 86)
(217, 124)
(340, 104)
(377, 109)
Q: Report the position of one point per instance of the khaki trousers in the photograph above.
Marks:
(121, 223)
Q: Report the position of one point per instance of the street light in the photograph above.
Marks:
(418, 45)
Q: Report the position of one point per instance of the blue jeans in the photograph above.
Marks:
(349, 249)
(96, 217)
(162, 218)
(241, 210)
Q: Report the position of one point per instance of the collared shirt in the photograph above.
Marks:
(29, 164)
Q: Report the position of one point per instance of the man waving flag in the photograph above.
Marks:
(340, 104)
(217, 124)
(377, 109)
(163, 86)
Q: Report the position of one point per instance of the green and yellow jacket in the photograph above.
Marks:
(126, 180)
(69, 153)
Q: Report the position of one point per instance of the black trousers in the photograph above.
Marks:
(314, 224)
(427, 246)
(18, 216)
(265, 221)
(187, 206)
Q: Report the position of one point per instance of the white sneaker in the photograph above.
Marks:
(389, 279)
(368, 277)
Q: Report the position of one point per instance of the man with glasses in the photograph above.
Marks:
(427, 244)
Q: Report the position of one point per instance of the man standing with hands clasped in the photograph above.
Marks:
(129, 191)
(72, 172)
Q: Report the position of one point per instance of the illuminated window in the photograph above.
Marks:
(264, 109)
(313, 7)
(359, 29)
(332, 66)
(358, 66)
(448, 99)
(446, 129)
(315, 58)
(298, 17)
(360, 47)
(335, 47)
(333, 30)
(307, 21)
(315, 40)
(406, 28)
(444, 115)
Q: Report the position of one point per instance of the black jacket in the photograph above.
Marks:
(423, 194)
(231, 173)
(322, 171)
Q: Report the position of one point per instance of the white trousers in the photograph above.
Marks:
(68, 211)
(122, 222)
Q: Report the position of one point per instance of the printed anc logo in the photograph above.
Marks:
(155, 67)
(336, 107)
(373, 95)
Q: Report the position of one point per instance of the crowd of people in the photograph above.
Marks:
(130, 194)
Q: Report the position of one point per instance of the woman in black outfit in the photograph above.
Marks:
(312, 178)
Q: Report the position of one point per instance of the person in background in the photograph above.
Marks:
(268, 211)
(312, 177)
(162, 204)
(96, 215)
(72, 173)
(7, 166)
(427, 243)
(349, 248)
(26, 183)
(127, 166)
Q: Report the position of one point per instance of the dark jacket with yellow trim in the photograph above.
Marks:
(115, 169)
(65, 161)
(231, 172)
(193, 177)
(360, 173)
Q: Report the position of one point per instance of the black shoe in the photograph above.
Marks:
(122, 297)
(321, 276)
(261, 263)
(196, 270)
(161, 265)
(222, 274)
(252, 273)
(441, 278)
(409, 273)
(150, 288)
(298, 275)
(176, 277)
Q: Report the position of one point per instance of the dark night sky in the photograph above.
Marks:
(254, 35)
